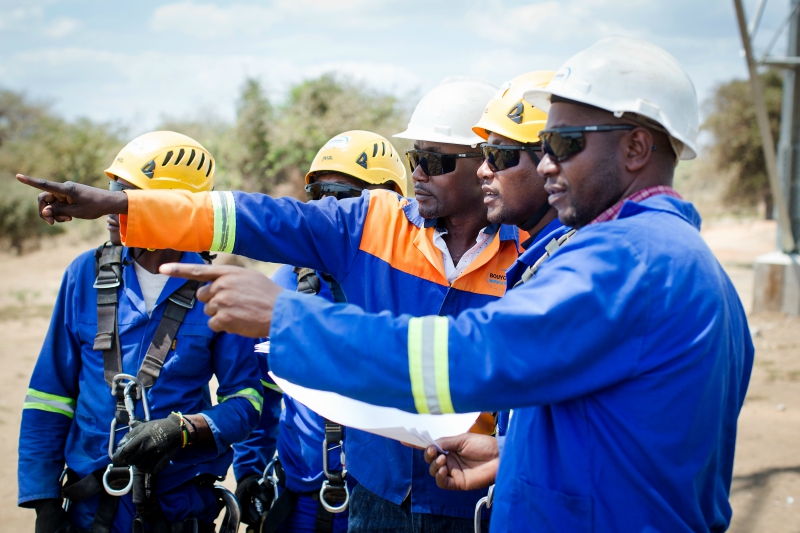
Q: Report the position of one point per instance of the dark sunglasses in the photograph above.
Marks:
(563, 143)
(114, 185)
(503, 156)
(315, 191)
(434, 163)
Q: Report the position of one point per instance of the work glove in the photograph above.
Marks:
(248, 490)
(50, 517)
(150, 445)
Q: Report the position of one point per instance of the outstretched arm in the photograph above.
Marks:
(61, 202)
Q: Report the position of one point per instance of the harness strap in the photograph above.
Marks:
(550, 249)
(178, 305)
(108, 267)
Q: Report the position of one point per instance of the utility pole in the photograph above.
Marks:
(777, 274)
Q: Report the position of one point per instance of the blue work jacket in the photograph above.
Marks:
(301, 429)
(69, 407)
(626, 359)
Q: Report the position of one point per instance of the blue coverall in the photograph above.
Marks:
(69, 407)
(626, 359)
(300, 438)
(381, 251)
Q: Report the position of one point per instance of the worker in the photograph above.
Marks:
(120, 389)
(434, 254)
(624, 350)
(304, 435)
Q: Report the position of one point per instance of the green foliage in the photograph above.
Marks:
(36, 142)
(267, 149)
(737, 142)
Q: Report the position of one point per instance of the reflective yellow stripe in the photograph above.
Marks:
(224, 221)
(442, 364)
(415, 364)
(428, 364)
(271, 386)
(251, 395)
(52, 403)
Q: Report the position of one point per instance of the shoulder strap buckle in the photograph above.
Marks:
(181, 300)
(106, 284)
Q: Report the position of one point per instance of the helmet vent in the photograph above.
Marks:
(167, 158)
(202, 160)
(383, 149)
(191, 158)
(180, 156)
(210, 166)
(374, 150)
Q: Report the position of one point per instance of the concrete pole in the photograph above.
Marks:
(789, 143)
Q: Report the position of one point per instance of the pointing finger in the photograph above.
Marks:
(196, 272)
(44, 185)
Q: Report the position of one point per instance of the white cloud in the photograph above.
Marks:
(61, 27)
(323, 5)
(207, 21)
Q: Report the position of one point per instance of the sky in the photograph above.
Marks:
(137, 62)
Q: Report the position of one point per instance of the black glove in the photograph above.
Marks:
(150, 445)
(50, 517)
(247, 491)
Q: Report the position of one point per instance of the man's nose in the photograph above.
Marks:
(485, 171)
(420, 175)
(547, 166)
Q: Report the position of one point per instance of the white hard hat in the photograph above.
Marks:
(625, 75)
(447, 113)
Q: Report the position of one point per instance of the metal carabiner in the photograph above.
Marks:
(67, 502)
(233, 511)
(486, 500)
(326, 484)
(128, 398)
(122, 492)
(272, 480)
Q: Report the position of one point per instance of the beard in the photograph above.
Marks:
(602, 190)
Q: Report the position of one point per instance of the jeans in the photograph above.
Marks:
(372, 514)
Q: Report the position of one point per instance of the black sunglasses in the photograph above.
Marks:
(563, 143)
(434, 163)
(503, 156)
(114, 185)
(321, 189)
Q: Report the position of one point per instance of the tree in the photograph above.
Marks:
(737, 142)
(253, 118)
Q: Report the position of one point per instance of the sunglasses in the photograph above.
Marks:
(434, 163)
(114, 185)
(321, 189)
(563, 143)
(503, 156)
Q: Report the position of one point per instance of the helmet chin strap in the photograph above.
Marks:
(536, 218)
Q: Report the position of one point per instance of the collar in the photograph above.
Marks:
(613, 212)
(134, 291)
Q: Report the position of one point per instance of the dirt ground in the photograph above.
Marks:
(766, 486)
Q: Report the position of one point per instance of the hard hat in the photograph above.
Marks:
(447, 113)
(510, 115)
(363, 155)
(164, 160)
(625, 75)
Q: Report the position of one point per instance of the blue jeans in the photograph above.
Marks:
(372, 514)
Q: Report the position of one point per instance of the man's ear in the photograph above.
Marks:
(639, 147)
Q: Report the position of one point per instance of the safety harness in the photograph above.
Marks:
(550, 249)
(115, 481)
(334, 496)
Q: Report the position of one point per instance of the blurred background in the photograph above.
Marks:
(264, 84)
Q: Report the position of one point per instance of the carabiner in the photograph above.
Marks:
(486, 500)
(67, 502)
(271, 480)
(122, 492)
(141, 394)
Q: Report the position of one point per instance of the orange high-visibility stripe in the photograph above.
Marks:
(389, 236)
(162, 219)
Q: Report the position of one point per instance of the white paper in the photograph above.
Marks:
(415, 429)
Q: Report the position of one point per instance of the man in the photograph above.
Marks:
(334, 172)
(121, 329)
(434, 254)
(624, 352)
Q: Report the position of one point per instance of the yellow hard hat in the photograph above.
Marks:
(364, 155)
(164, 160)
(512, 116)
